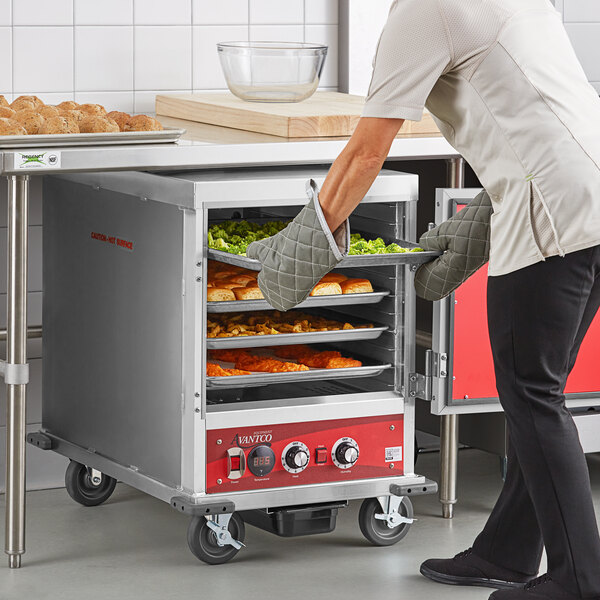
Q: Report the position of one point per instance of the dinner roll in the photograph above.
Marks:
(219, 295)
(11, 127)
(329, 288)
(248, 293)
(6, 112)
(67, 105)
(120, 118)
(242, 279)
(92, 109)
(95, 124)
(31, 120)
(23, 103)
(58, 125)
(74, 115)
(356, 286)
(4, 101)
(143, 123)
(335, 277)
(48, 111)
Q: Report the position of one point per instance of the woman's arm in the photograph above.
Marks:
(355, 169)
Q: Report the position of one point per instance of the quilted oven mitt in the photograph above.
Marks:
(465, 241)
(295, 259)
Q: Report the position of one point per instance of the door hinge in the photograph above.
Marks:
(421, 386)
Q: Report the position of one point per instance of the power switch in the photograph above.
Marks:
(321, 456)
(236, 463)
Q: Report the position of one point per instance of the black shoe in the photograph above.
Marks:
(468, 569)
(541, 588)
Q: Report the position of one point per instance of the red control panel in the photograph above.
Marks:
(250, 458)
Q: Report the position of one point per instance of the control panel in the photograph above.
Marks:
(304, 453)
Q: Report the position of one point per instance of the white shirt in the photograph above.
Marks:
(506, 89)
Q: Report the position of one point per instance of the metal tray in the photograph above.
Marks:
(314, 301)
(284, 339)
(168, 134)
(261, 379)
(366, 260)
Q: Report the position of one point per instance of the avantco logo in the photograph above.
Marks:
(249, 441)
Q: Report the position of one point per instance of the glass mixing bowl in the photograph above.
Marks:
(272, 71)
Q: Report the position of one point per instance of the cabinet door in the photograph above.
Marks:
(460, 333)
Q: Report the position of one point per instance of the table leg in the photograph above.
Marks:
(449, 424)
(16, 354)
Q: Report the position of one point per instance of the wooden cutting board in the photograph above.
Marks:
(325, 114)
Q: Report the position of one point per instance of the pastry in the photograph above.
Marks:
(74, 115)
(31, 120)
(48, 111)
(6, 112)
(356, 286)
(23, 102)
(11, 127)
(143, 123)
(335, 277)
(248, 293)
(92, 109)
(120, 118)
(96, 124)
(4, 101)
(58, 125)
(214, 294)
(326, 289)
(67, 105)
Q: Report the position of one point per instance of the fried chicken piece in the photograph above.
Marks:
(294, 351)
(342, 363)
(320, 359)
(228, 355)
(215, 370)
(268, 365)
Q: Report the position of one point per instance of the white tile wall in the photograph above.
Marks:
(122, 52)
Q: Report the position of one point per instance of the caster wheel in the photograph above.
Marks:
(376, 530)
(81, 487)
(203, 541)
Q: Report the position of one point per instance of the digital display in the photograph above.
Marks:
(261, 461)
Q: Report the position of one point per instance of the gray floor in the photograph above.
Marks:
(134, 547)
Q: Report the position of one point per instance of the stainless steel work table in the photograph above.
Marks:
(203, 147)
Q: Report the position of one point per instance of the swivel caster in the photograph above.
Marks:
(88, 486)
(385, 521)
(216, 540)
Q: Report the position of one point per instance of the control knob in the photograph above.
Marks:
(295, 457)
(345, 453)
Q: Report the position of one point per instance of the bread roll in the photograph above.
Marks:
(120, 118)
(58, 125)
(242, 279)
(23, 103)
(335, 277)
(96, 124)
(248, 293)
(6, 112)
(356, 286)
(219, 295)
(11, 127)
(143, 123)
(48, 111)
(31, 120)
(4, 101)
(329, 288)
(67, 105)
(224, 283)
(92, 109)
(225, 274)
(74, 115)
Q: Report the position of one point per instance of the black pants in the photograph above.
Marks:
(538, 317)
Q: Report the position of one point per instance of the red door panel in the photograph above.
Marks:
(473, 368)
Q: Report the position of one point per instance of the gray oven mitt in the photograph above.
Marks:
(295, 259)
(465, 241)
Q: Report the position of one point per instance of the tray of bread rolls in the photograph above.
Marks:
(28, 122)
(231, 289)
(275, 328)
(287, 364)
